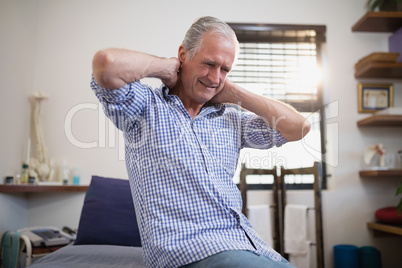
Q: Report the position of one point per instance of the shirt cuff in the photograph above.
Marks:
(111, 95)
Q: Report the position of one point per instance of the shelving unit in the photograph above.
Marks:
(21, 188)
(381, 173)
(381, 120)
(380, 70)
(380, 228)
(385, 228)
(380, 22)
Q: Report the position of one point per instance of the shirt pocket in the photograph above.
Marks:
(224, 146)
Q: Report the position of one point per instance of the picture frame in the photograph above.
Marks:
(374, 97)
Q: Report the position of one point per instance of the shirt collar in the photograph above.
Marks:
(208, 108)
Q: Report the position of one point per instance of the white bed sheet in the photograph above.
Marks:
(107, 256)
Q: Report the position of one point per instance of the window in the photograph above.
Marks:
(283, 62)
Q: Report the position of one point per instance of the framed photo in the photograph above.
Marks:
(374, 97)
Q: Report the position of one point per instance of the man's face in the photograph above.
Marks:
(204, 75)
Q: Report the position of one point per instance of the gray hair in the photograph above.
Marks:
(193, 39)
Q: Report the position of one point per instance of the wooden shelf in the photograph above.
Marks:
(381, 120)
(385, 228)
(380, 70)
(381, 173)
(379, 22)
(21, 188)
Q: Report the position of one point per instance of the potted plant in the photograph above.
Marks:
(391, 215)
(385, 5)
(399, 206)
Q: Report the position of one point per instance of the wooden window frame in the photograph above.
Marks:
(258, 33)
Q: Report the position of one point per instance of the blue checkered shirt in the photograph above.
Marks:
(181, 169)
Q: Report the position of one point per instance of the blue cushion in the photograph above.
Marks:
(108, 216)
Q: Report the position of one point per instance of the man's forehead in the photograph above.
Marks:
(217, 46)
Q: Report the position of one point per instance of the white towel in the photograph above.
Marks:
(260, 218)
(302, 260)
(295, 235)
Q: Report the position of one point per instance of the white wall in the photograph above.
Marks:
(48, 45)
(17, 54)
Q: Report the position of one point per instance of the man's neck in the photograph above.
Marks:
(192, 108)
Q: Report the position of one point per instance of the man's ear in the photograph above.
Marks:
(182, 55)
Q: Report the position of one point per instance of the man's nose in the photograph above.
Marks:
(214, 76)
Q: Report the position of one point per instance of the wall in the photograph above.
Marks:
(17, 53)
(49, 46)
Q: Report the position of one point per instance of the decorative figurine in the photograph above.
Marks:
(378, 151)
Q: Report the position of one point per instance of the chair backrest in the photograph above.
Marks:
(244, 172)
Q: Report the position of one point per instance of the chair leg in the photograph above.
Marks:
(318, 215)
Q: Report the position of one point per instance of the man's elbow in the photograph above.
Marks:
(102, 67)
(300, 130)
(305, 128)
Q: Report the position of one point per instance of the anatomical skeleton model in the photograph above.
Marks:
(40, 167)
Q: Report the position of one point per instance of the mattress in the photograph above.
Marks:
(92, 256)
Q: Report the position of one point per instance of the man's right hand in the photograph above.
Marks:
(171, 75)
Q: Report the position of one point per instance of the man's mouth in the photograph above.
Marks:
(208, 86)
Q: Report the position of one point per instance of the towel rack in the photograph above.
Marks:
(243, 189)
(315, 170)
(279, 202)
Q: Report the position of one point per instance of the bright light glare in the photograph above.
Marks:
(309, 75)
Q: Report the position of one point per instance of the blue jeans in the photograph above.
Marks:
(238, 259)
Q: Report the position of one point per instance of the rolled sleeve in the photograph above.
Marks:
(123, 105)
(257, 134)
(111, 95)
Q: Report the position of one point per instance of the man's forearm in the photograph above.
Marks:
(114, 68)
(280, 116)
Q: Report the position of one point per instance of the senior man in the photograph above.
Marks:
(182, 144)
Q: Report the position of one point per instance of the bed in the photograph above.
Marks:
(74, 256)
(108, 234)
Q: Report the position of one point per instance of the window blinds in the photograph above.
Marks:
(281, 62)
(282, 71)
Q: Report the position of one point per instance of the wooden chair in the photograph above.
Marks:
(243, 189)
